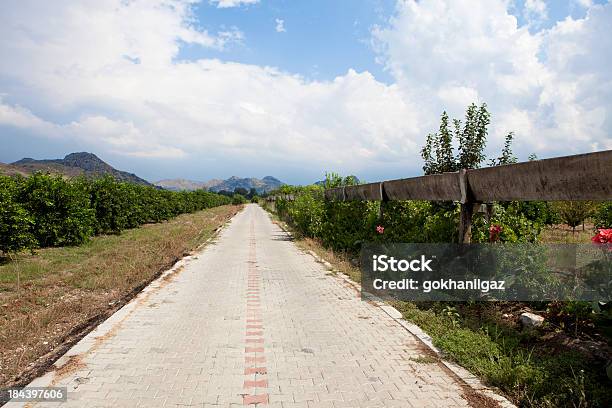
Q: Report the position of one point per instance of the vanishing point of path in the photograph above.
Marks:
(250, 320)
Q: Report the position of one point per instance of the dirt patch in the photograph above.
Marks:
(478, 400)
(73, 364)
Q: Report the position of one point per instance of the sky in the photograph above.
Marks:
(293, 89)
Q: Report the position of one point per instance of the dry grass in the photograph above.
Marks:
(563, 234)
(65, 292)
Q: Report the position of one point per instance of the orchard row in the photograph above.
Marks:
(44, 210)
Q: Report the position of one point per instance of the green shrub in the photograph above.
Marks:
(111, 203)
(539, 212)
(307, 211)
(574, 213)
(43, 210)
(15, 222)
(603, 215)
(346, 225)
(419, 221)
(238, 199)
(515, 225)
(60, 209)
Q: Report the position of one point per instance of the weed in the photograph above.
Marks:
(424, 359)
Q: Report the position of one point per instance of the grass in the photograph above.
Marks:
(425, 360)
(525, 365)
(564, 234)
(517, 362)
(49, 298)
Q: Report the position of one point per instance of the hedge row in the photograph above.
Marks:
(345, 225)
(43, 210)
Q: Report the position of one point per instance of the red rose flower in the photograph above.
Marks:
(494, 232)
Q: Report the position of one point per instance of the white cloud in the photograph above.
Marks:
(22, 118)
(584, 3)
(115, 136)
(159, 107)
(553, 87)
(280, 25)
(110, 66)
(535, 12)
(232, 3)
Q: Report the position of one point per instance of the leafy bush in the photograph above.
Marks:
(43, 210)
(573, 213)
(515, 225)
(110, 202)
(603, 215)
(346, 225)
(307, 211)
(15, 221)
(238, 199)
(541, 212)
(60, 209)
(419, 221)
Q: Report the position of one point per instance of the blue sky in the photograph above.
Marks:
(322, 39)
(209, 89)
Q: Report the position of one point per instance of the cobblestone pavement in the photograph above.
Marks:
(250, 320)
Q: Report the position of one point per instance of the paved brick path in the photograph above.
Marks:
(250, 320)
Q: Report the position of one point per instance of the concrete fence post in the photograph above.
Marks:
(467, 209)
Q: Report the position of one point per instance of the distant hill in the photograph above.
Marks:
(180, 184)
(266, 184)
(74, 164)
(10, 170)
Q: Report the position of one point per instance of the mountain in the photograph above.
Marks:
(180, 184)
(74, 164)
(266, 184)
(10, 170)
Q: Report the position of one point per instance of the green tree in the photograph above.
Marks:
(603, 215)
(574, 213)
(110, 202)
(445, 154)
(61, 210)
(15, 222)
(438, 150)
(238, 199)
(507, 157)
(471, 138)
